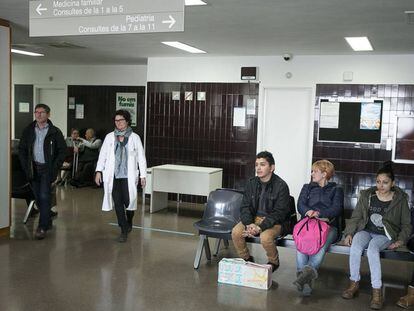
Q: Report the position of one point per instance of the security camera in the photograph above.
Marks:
(287, 57)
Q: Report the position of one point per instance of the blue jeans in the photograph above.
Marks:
(41, 185)
(315, 261)
(375, 244)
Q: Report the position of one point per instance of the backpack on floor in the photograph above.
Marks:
(310, 235)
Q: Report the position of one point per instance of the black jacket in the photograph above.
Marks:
(54, 149)
(277, 205)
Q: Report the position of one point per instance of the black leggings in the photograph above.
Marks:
(120, 194)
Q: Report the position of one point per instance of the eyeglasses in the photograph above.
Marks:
(40, 112)
(119, 120)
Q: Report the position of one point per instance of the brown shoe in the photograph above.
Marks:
(376, 299)
(275, 266)
(40, 234)
(408, 300)
(351, 291)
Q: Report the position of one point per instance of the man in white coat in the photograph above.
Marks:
(120, 165)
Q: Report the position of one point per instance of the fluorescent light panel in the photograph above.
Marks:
(26, 53)
(194, 2)
(182, 46)
(359, 43)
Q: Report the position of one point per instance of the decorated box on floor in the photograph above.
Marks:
(236, 271)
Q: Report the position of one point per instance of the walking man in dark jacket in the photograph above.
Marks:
(264, 209)
(42, 150)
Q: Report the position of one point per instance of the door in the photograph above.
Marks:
(285, 129)
(55, 98)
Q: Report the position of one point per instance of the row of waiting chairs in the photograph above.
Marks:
(21, 188)
(221, 214)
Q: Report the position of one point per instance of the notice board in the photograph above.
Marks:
(353, 121)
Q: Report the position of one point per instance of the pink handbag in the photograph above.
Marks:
(310, 235)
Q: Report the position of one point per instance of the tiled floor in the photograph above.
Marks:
(80, 266)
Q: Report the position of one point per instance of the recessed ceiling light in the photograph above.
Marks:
(26, 52)
(182, 46)
(359, 43)
(409, 17)
(194, 2)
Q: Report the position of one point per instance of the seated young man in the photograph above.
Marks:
(264, 209)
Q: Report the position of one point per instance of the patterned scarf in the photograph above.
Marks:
(121, 163)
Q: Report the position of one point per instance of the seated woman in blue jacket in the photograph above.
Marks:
(324, 200)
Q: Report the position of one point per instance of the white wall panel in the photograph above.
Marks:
(5, 126)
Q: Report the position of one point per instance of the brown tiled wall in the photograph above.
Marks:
(201, 133)
(356, 165)
(100, 105)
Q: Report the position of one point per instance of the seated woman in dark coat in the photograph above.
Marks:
(324, 200)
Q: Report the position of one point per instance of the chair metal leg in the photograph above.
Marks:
(216, 247)
(199, 251)
(207, 249)
(29, 209)
(226, 243)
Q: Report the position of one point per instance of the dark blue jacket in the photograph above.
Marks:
(328, 200)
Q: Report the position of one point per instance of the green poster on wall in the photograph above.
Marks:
(128, 101)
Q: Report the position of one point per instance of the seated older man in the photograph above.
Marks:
(88, 156)
(72, 144)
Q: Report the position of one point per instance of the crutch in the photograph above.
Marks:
(75, 164)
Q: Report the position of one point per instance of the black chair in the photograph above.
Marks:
(221, 214)
(287, 227)
(21, 188)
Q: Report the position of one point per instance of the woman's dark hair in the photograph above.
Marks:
(125, 114)
(387, 170)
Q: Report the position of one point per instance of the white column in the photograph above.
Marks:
(5, 111)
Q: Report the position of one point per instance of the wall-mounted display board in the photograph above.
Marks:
(350, 121)
(403, 151)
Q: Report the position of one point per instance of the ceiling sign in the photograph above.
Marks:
(93, 17)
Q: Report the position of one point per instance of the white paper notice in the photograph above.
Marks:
(24, 107)
(175, 95)
(370, 116)
(188, 95)
(239, 116)
(79, 112)
(329, 117)
(71, 103)
(201, 96)
(251, 106)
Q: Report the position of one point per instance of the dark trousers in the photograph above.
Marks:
(85, 174)
(41, 185)
(120, 194)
